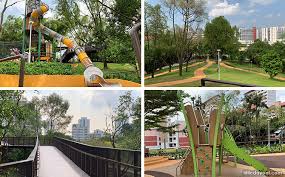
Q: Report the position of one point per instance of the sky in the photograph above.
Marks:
(93, 104)
(206, 94)
(245, 13)
(19, 8)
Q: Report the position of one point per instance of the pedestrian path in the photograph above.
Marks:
(198, 75)
(54, 163)
(173, 70)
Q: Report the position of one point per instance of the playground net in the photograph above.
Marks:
(6, 46)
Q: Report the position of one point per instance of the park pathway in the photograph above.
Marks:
(173, 70)
(245, 70)
(54, 163)
(198, 75)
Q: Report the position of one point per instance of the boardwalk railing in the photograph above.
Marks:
(101, 162)
(22, 168)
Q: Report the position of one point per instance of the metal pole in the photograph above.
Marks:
(40, 39)
(24, 29)
(268, 120)
(219, 69)
(30, 41)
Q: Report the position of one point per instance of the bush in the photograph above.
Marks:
(172, 154)
(265, 149)
(271, 63)
(55, 68)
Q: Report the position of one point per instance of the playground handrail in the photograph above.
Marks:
(183, 159)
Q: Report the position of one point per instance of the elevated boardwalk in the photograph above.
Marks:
(53, 163)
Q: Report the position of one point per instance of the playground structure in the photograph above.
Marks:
(33, 29)
(205, 139)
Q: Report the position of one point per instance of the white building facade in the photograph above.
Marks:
(81, 131)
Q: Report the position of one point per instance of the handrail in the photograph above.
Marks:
(30, 162)
(130, 150)
(183, 159)
(99, 157)
(203, 82)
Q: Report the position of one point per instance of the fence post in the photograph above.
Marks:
(136, 160)
(203, 83)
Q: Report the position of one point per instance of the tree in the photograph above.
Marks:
(271, 63)
(5, 7)
(253, 104)
(278, 47)
(159, 105)
(54, 107)
(256, 50)
(124, 116)
(220, 35)
(156, 23)
(12, 29)
(192, 13)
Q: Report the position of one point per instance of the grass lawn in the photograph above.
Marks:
(242, 77)
(173, 76)
(250, 67)
(174, 67)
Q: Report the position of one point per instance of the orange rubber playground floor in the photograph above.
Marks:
(7, 80)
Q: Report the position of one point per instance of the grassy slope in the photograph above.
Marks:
(173, 76)
(242, 77)
(250, 67)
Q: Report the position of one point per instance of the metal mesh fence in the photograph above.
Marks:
(6, 46)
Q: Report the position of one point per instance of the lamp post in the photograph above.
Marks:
(268, 131)
(30, 40)
(219, 61)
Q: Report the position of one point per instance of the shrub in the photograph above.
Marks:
(55, 68)
(271, 63)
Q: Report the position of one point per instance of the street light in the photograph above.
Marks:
(271, 116)
(268, 129)
(219, 61)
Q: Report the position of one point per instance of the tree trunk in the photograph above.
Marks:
(152, 74)
(105, 64)
(187, 62)
(170, 68)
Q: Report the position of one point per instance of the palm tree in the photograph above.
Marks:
(254, 103)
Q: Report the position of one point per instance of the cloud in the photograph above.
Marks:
(218, 8)
(261, 2)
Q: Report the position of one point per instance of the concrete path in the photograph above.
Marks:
(198, 75)
(173, 70)
(54, 163)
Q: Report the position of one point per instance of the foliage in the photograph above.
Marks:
(123, 123)
(54, 68)
(54, 107)
(256, 50)
(172, 154)
(271, 63)
(159, 104)
(12, 29)
(220, 35)
(264, 149)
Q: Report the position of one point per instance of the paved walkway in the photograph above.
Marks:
(173, 70)
(245, 70)
(198, 75)
(54, 163)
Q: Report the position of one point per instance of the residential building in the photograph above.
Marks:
(97, 133)
(153, 139)
(81, 131)
(269, 34)
(210, 104)
(269, 96)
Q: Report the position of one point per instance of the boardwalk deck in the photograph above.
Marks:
(54, 163)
